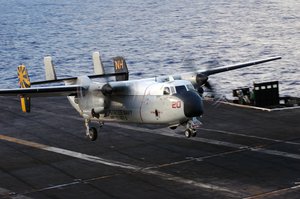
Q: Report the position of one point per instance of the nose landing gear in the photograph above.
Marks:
(191, 127)
(190, 132)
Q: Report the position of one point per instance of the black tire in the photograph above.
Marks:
(187, 133)
(92, 134)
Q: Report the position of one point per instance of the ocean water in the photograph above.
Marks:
(155, 37)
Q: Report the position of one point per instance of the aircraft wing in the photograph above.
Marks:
(42, 91)
(236, 66)
(200, 77)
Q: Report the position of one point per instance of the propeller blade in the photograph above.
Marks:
(208, 86)
(201, 79)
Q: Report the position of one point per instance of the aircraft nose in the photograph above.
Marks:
(193, 106)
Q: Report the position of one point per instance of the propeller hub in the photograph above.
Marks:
(201, 79)
(106, 89)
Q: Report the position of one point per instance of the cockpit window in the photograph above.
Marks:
(166, 91)
(180, 89)
(190, 87)
(172, 90)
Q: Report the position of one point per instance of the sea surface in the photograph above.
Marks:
(155, 37)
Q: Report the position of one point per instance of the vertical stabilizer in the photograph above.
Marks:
(98, 66)
(121, 67)
(24, 82)
(49, 68)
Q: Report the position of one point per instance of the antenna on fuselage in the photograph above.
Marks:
(171, 79)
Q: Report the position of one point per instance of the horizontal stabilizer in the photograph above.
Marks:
(121, 70)
(74, 78)
(42, 91)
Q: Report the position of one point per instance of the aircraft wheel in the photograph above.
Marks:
(187, 133)
(92, 135)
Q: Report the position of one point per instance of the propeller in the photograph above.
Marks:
(106, 89)
(102, 104)
(202, 81)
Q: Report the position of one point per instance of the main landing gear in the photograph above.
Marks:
(91, 132)
(191, 127)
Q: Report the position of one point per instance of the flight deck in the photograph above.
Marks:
(238, 153)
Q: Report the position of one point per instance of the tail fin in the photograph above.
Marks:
(24, 82)
(120, 66)
(98, 66)
(49, 68)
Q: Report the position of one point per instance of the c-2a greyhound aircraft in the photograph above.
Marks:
(166, 100)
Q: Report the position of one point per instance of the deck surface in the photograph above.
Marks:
(239, 153)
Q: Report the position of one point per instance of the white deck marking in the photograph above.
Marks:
(117, 164)
(274, 193)
(260, 108)
(75, 182)
(11, 195)
(167, 132)
(251, 136)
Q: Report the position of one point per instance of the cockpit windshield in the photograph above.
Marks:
(190, 87)
(170, 90)
(180, 89)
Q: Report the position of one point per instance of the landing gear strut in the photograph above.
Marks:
(91, 132)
